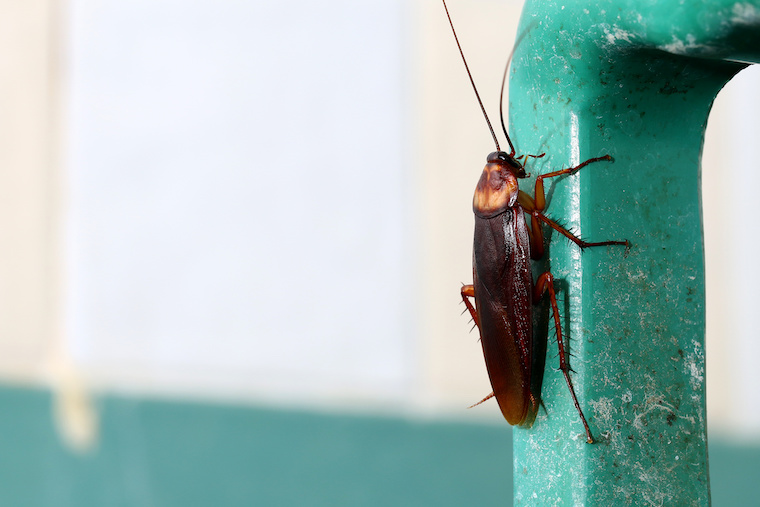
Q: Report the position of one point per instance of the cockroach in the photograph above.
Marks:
(503, 287)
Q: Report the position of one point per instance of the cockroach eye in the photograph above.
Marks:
(498, 155)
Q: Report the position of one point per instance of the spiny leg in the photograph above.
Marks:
(536, 205)
(481, 401)
(539, 194)
(534, 231)
(572, 237)
(468, 291)
(529, 156)
(545, 283)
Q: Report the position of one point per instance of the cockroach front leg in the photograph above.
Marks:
(536, 205)
(545, 283)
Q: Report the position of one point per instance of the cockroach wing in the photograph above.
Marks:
(503, 297)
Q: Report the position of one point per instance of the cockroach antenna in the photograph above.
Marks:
(501, 94)
(467, 68)
(501, 102)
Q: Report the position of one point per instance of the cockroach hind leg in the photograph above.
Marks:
(541, 404)
(481, 401)
(530, 417)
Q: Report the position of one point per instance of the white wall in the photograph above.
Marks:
(241, 217)
(730, 182)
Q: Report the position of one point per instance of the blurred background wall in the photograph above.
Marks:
(261, 211)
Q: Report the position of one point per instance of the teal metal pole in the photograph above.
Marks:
(635, 80)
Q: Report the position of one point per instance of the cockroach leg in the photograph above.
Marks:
(536, 205)
(539, 194)
(529, 156)
(572, 237)
(545, 283)
(535, 231)
(481, 401)
(468, 291)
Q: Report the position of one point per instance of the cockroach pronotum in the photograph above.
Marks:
(503, 287)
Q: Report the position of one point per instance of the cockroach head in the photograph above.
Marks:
(497, 187)
(505, 159)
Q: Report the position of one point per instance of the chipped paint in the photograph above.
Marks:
(615, 34)
(688, 46)
(744, 14)
(694, 366)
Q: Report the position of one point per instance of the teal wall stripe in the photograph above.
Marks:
(160, 453)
